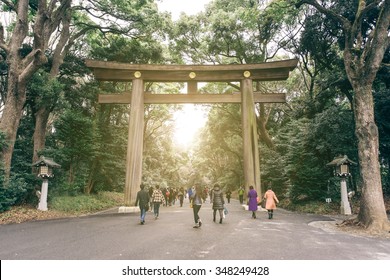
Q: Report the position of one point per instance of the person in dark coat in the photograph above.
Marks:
(196, 199)
(228, 195)
(143, 201)
(252, 201)
(181, 196)
(218, 202)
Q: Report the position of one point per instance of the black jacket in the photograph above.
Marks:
(142, 199)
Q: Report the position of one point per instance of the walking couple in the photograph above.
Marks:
(216, 199)
(270, 205)
(142, 200)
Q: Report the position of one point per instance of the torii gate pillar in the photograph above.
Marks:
(249, 137)
(135, 142)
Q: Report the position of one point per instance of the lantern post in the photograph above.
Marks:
(341, 169)
(45, 171)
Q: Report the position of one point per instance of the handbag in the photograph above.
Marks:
(263, 203)
(225, 211)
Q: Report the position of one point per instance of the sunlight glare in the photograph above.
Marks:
(187, 124)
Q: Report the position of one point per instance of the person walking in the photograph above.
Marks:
(241, 192)
(218, 202)
(181, 196)
(228, 195)
(150, 198)
(157, 198)
(166, 193)
(196, 200)
(271, 201)
(189, 192)
(143, 201)
(252, 201)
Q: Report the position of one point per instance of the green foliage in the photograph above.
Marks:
(75, 132)
(218, 155)
(43, 90)
(382, 107)
(12, 192)
(86, 203)
(234, 32)
(3, 142)
(316, 29)
(161, 163)
(106, 166)
(273, 172)
(128, 50)
(308, 145)
(75, 143)
(315, 207)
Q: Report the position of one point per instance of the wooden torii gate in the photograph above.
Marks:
(138, 74)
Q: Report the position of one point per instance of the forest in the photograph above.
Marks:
(337, 97)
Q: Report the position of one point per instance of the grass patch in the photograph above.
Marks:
(313, 207)
(82, 204)
(63, 206)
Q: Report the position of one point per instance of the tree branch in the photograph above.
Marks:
(344, 22)
(380, 42)
(59, 51)
(34, 60)
(9, 4)
(3, 45)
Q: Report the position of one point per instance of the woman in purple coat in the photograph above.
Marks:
(252, 201)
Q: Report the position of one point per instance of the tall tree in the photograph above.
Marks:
(366, 39)
(21, 68)
(237, 31)
(56, 25)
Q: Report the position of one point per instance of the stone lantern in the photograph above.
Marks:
(341, 166)
(45, 171)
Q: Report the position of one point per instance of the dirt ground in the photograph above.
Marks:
(346, 224)
(20, 214)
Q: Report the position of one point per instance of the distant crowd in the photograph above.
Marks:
(152, 198)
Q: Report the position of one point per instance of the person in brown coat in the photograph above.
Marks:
(271, 201)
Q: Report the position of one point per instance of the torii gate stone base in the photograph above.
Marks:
(138, 74)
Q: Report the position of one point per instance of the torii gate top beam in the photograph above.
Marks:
(268, 71)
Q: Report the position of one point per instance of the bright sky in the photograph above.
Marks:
(175, 7)
(191, 118)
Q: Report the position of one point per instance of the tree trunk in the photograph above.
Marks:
(16, 88)
(262, 121)
(21, 68)
(71, 175)
(41, 119)
(91, 182)
(11, 118)
(372, 211)
(13, 109)
(363, 55)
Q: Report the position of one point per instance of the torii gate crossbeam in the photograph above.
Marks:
(138, 74)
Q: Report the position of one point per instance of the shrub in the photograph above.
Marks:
(12, 194)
